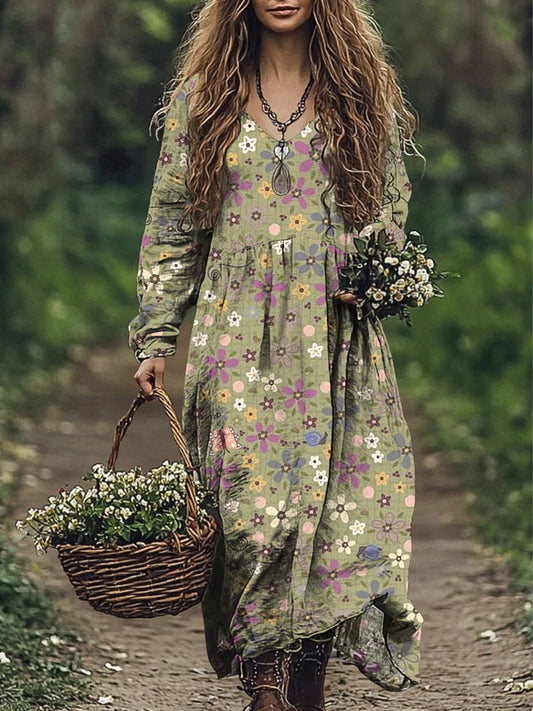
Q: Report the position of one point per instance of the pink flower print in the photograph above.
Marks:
(219, 365)
(264, 436)
(313, 155)
(165, 158)
(235, 186)
(267, 289)
(349, 470)
(299, 193)
(332, 576)
(297, 394)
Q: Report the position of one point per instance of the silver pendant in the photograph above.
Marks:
(281, 179)
(281, 151)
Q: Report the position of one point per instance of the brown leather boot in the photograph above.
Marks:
(307, 675)
(266, 680)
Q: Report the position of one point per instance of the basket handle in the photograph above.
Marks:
(191, 521)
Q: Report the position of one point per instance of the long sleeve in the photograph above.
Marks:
(397, 193)
(172, 260)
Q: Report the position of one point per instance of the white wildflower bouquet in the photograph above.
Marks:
(388, 280)
(119, 507)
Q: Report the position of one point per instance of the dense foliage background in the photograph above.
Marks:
(79, 84)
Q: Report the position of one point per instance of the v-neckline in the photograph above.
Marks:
(262, 130)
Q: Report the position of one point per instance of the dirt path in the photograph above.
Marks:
(163, 665)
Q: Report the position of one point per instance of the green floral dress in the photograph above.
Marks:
(304, 442)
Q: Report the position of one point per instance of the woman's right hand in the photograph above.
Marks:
(150, 375)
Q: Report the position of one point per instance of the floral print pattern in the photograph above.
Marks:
(304, 442)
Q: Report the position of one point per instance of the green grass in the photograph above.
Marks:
(44, 661)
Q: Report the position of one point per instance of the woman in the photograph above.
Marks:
(282, 142)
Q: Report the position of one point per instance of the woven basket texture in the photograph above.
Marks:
(146, 580)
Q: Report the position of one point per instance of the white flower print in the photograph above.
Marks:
(307, 130)
(154, 279)
(200, 339)
(345, 545)
(248, 126)
(315, 351)
(239, 404)
(358, 528)
(176, 265)
(340, 508)
(315, 461)
(280, 515)
(371, 441)
(280, 246)
(271, 383)
(209, 296)
(253, 375)
(232, 506)
(412, 613)
(321, 477)
(377, 456)
(365, 393)
(247, 145)
(398, 558)
(183, 160)
(234, 319)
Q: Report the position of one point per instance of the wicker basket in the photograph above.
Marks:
(146, 580)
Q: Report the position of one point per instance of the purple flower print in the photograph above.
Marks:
(235, 186)
(283, 352)
(287, 467)
(297, 394)
(219, 365)
(332, 576)
(313, 155)
(299, 193)
(349, 470)
(404, 451)
(311, 260)
(264, 436)
(268, 289)
(165, 158)
(387, 527)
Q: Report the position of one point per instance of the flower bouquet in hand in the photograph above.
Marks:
(133, 544)
(387, 280)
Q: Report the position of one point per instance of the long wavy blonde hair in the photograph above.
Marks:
(357, 95)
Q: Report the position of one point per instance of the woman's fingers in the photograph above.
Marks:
(345, 296)
(150, 374)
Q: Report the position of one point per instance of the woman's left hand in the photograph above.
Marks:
(345, 296)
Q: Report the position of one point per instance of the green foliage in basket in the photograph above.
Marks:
(119, 508)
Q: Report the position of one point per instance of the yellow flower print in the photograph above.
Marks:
(327, 451)
(164, 255)
(232, 159)
(173, 124)
(204, 395)
(223, 396)
(178, 179)
(374, 357)
(250, 461)
(296, 222)
(239, 524)
(265, 261)
(399, 487)
(265, 190)
(251, 414)
(382, 478)
(318, 495)
(301, 291)
(221, 305)
(257, 483)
